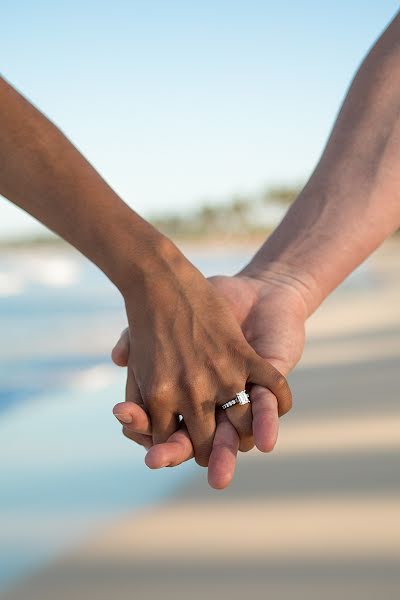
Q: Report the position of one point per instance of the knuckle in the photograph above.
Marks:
(158, 392)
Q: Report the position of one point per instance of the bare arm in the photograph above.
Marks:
(189, 354)
(43, 173)
(349, 206)
(352, 201)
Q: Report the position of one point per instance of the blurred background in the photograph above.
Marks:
(206, 118)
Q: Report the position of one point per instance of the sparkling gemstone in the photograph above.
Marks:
(242, 397)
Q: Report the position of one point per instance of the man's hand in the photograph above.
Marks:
(271, 315)
(188, 356)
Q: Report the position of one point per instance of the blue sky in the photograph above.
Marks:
(176, 102)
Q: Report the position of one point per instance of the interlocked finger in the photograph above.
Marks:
(262, 373)
(132, 392)
(164, 424)
(240, 416)
(265, 418)
(221, 466)
(139, 438)
(201, 428)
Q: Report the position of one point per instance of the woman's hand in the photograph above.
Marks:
(271, 315)
(188, 355)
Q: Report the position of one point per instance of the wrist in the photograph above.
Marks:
(301, 254)
(132, 252)
(295, 287)
(154, 261)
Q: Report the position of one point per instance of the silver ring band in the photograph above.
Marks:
(241, 398)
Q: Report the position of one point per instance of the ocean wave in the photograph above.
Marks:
(20, 272)
(95, 378)
(52, 271)
(11, 285)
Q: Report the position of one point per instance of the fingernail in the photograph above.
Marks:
(123, 418)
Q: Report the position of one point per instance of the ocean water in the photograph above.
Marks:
(65, 469)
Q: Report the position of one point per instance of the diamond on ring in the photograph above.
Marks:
(241, 398)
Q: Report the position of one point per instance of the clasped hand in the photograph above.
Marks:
(192, 344)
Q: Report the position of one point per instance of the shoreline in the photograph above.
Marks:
(206, 243)
(318, 514)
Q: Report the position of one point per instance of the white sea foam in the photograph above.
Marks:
(54, 271)
(11, 284)
(19, 272)
(95, 378)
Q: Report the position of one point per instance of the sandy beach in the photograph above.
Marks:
(316, 519)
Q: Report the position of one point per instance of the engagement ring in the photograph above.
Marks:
(241, 398)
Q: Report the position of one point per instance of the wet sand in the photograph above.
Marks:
(316, 519)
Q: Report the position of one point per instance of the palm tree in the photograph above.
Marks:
(281, 194)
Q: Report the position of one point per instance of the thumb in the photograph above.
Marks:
(120, 352)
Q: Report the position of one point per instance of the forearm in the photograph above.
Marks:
(43, 173)
(352, 201)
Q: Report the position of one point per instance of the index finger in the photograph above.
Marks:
(222, 463)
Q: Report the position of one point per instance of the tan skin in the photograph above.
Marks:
(271, 315)
(210, 361)
(189, 354)
(348, 207)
